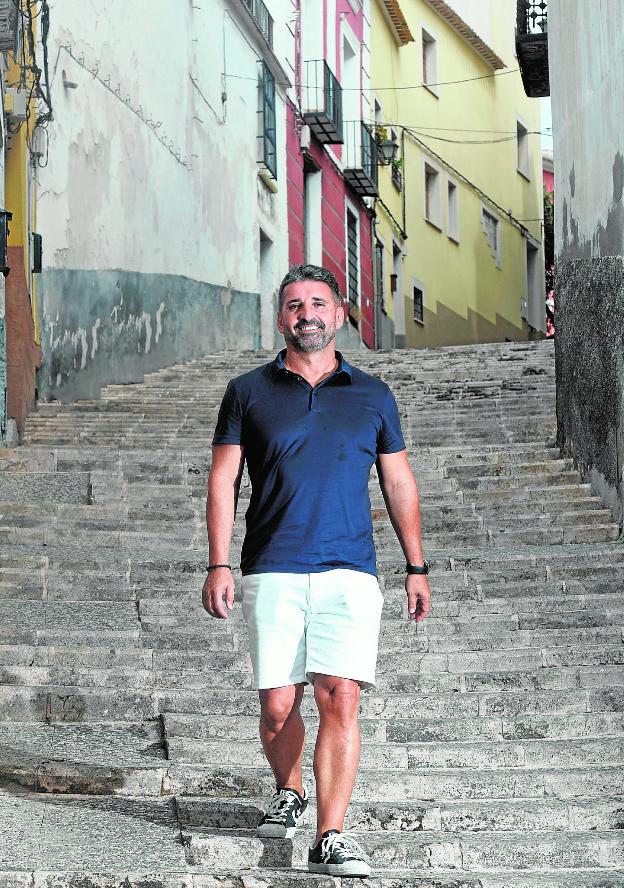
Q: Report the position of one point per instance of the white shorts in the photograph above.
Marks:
(300, 624)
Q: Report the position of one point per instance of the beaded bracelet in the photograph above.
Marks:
(210, 567)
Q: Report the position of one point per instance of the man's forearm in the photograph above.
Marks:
(220, 515)
(403, 504)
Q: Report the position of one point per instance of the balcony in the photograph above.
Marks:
(8, 25)
(262, 18)
(322, 102)
(360, 158)
(532, 46)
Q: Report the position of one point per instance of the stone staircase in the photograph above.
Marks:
(493, 742)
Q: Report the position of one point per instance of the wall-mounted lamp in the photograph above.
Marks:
(5, 218)
(387, 151)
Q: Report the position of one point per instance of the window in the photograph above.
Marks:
(492, 233)
(352, 267)
(419, 307)
(312, 216)
(452, 211)
(379, 275)
(433, 212)
(524, 165)
(429, 62)
(267, 120)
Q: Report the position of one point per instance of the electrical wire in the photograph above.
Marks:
(391, 88)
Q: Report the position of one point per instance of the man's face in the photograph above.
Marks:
(309, 316)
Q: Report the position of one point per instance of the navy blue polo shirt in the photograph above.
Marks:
(309, 453)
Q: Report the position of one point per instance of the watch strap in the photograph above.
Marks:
(417, 569)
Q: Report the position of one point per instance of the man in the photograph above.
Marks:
(311, 427)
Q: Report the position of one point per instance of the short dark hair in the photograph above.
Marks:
(309, 273)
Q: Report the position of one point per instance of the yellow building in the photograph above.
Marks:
(458, 254)
(27, 113)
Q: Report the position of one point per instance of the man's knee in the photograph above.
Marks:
(278, 704)
(337, 698)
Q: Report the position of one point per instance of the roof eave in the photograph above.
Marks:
(466, 33)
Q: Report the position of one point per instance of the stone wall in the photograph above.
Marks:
(587, 94)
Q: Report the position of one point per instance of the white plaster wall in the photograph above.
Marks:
(586, 61)
(112, 195)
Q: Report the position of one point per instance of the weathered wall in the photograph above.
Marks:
(586, 62)
(23, 353)
(153, 179)
(134, 322)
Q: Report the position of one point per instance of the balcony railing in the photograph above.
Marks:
(322, 102)
(262, 17)
(532, 46)
(8, 25)
(360, 158)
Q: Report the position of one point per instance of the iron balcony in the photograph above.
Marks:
(360, 158)
(532, 46)
(322, 102)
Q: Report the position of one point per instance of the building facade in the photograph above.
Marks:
(587, 94)
(332, 154)
(163, 201)
(458, 241)
(26, 113)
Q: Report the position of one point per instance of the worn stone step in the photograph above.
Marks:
(448, 816)
(588, 781)
(98, 759)
(419, 756)
(414, 705)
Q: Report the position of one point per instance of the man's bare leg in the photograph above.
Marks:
(283, 734)
(337, 751)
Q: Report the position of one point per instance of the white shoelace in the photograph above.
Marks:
(280, 804)
(340, 842)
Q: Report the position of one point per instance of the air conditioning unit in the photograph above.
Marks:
(8, 25)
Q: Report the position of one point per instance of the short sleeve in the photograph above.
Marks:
(229, 423)
(390, 439)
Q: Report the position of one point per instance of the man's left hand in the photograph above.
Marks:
(418, 597)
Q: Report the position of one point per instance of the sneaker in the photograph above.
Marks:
(338, 855)
(283, 814)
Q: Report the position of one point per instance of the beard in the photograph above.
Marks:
(310, 342)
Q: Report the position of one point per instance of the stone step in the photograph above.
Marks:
(414, 705)
(500, 816)
(428, 850)
(544, 726)
(588, 781)
(526, 754)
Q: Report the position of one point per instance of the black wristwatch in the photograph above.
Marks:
(418, 569)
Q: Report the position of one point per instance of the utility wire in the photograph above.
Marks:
(385, 88)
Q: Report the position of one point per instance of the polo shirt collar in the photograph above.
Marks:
(343, 372)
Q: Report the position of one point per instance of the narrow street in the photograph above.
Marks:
(494, 740)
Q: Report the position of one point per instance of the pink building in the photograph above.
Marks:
(548, 171)
(332, 154)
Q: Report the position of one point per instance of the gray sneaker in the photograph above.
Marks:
(283, 814)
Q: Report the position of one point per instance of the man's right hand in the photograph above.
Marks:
(218, 587)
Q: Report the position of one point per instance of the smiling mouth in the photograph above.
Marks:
(308, 328)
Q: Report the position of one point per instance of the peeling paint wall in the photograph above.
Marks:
(151, 189)
(586, 60)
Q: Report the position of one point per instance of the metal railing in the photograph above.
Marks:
(8, 24)
(322, 101)
(532, 17)
(262, 17)
(360, 157)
